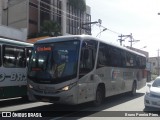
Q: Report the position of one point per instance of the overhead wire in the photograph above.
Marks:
(68, 15)
(53, 13)
(56, 8)
(74, 17)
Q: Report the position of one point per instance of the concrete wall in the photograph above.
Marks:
(0, 12)
(64, 19)
(18, 14)
(88, 9)
(12, 33)
(8, 32)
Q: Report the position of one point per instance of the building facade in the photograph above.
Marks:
(9, 32)
(31, 14)
(155, 65)
(1, 12)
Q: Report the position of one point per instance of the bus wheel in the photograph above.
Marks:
(99, 97)
(134, 87)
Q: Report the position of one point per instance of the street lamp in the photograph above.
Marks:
(143, 47)
(101, 31)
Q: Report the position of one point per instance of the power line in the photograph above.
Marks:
(60, 15)
(109, 30)
(56, 8)
(51, 12)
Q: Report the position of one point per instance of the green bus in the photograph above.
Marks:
(14, 56)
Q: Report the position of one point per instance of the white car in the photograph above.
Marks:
(152, 96)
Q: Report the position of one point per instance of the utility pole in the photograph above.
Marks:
(131, 39)
(120, 40)
(123, 39)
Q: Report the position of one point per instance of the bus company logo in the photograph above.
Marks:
(13, 77)
(114, 74)
(2, 77)
(6, 114)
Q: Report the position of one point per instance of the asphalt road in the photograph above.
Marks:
(121, 107)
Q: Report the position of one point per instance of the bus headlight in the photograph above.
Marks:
(66, 88)
(30, 86)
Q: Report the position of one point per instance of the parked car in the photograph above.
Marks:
(152, 96)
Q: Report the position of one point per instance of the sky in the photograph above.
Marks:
(139, 17)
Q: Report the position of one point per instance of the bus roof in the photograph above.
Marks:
(83, 37)
(14, 42)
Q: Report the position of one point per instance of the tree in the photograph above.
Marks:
(50, 28)
(78, 4)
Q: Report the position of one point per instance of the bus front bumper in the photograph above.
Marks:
(65, 97)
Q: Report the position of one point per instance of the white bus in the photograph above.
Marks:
(13, 68)
(80, 68)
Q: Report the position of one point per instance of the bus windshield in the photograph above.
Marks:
(54, 62)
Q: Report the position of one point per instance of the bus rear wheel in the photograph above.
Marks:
(99, 97)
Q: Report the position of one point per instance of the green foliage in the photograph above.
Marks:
(48, 28)
(78, 4)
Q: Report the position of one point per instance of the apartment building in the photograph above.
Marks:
(31, 14)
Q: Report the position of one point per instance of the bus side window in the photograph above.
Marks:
(88, 56)
(103, 56)
(115, 57)
(123, 58)
(0, 56)
(8, 56)
(131, 60)
(142, 62)
(13, 56)
(20, 58)
(137, 61)
(128, 59)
